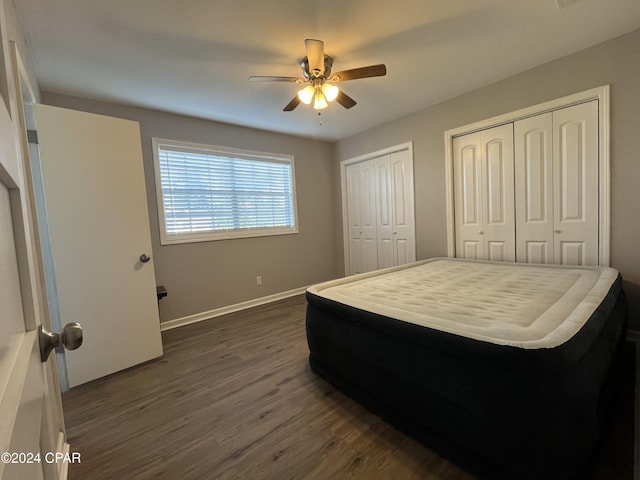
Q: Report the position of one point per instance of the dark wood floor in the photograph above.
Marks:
(234, 398)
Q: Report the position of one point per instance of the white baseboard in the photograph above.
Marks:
(217, 312)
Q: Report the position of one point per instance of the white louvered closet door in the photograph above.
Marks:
(484, 191)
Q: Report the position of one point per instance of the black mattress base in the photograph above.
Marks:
(494, 411)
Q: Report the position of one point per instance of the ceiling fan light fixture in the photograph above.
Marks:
(320, 102)
(316, 70)
(330, 92)
(306, 94)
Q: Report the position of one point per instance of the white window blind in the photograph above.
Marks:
(210, 193)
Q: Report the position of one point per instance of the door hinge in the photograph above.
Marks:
(32, 136)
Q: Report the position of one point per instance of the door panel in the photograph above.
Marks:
(12, 323)
(576, 184)
(385, 253)
(467, 162)
(402, 204)
(405, 252)
(384, 211)
(498, 251)
(572, 253)
(534, 189)
(535, 252)
(471, 199)
(362, 227)
(484, 189)
(472, 249)
(29, 414)
(98, 226)
(572, 172)
(498, 192)
(370, 254)
(355, 223)
(368, 215)
(356, 254)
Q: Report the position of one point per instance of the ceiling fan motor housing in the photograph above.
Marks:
(328, 63)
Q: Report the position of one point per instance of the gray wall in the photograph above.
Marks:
(616, 62)
(208, 275)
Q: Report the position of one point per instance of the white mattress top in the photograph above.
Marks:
(522, 305)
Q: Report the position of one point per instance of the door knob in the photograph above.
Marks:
(144, 258)
(71, 338)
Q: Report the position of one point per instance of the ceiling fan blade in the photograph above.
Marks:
(263, 78)
(315, 55)
(362, 72)
(292, 104)
(345, 100)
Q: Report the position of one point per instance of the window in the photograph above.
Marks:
(212, 193)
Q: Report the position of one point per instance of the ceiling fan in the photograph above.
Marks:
(316, 70)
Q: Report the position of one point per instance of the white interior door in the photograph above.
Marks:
(31, 421)
(98, 228)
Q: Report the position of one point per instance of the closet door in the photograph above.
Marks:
(484, 190)
(384, 212)
(575, 151)
(467, 161)
(534, 189)
(557, 186)
(498, 191)
(394, 209)
(361, 204)
(379, 227)
(403, 218)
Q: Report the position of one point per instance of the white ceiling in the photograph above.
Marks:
(194, 57)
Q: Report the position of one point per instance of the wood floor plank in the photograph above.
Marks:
(234, 398)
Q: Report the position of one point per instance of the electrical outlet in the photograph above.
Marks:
(259, 280)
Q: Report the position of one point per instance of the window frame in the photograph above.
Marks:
(228, 234)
